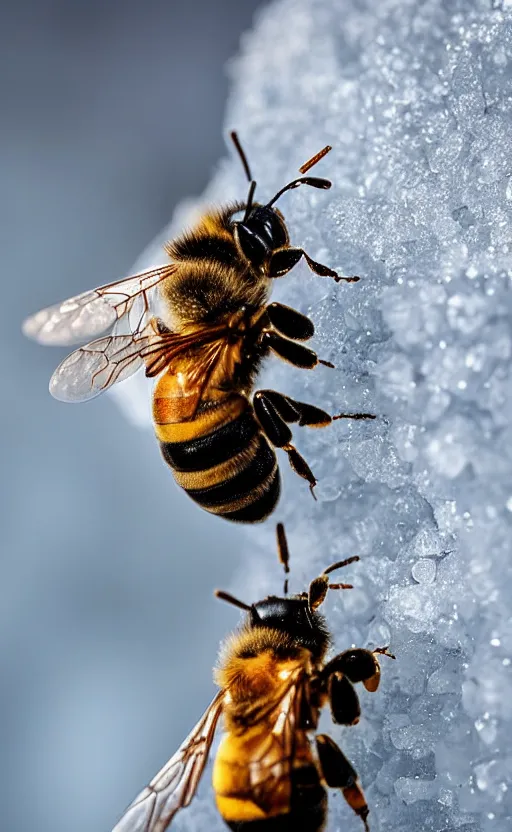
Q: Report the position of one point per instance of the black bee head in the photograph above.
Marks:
(294, 617)
(262, 229)
(260, 233)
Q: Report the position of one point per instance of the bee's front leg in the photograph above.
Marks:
(284, 259)
(358, 665)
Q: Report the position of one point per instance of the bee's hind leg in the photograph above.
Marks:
(273, 411)
(338, 773)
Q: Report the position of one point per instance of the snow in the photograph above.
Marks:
(415, 98)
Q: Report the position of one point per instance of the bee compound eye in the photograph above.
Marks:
(253, 248)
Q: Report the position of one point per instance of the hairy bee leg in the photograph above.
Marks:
(289, 322)
(358, 665)
(301, 467)
(275, 407)
(282, 404)
(274, 411)
(343, 700)
(280, 435)
(284, 259)
(275, 427)
(325, 271)
(290, 351)
(308, 415)
(338, 773)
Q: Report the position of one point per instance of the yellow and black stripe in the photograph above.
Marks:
(307, 810)
(222, 459)
(258, 793)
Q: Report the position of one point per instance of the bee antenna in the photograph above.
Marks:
(243, 157)
(283, 553)
(225, 596)
(245, 163)
(340, 563)
(312, 181)
(252, 188)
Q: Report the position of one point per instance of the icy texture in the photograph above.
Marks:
(415, 98)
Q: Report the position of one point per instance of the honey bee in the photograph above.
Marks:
(273, 681)
(201, 324)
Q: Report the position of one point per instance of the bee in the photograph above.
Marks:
(201, 325)
(273, 681)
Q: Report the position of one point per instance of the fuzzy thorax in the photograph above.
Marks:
(214, 279)
(254, 661)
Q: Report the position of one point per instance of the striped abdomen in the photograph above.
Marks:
(220, 456)
(256, 791)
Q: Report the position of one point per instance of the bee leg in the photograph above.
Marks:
(311, 416)
(290, 351)
(289, 322)
(284, 259)
(343, 700)
(306, 359)
(301, 467)
(275, 427)
(278, 432)
(308, 415)
(314, 417)
(338, 773)
(357, 665)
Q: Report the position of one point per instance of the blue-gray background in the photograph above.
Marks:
(111, 113)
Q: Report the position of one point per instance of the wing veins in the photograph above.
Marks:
(94, 312)
(179, 777)
(286, 706)
(96, 366)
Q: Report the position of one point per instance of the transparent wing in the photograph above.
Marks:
(93, 313)
(176, 783)
(272, 759)
(205, 345)
(94, 368)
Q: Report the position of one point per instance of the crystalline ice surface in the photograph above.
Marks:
(416, 99)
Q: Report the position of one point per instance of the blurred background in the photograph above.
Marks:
(112, 112)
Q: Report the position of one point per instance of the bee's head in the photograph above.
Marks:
(262, 229)
(294, 615)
